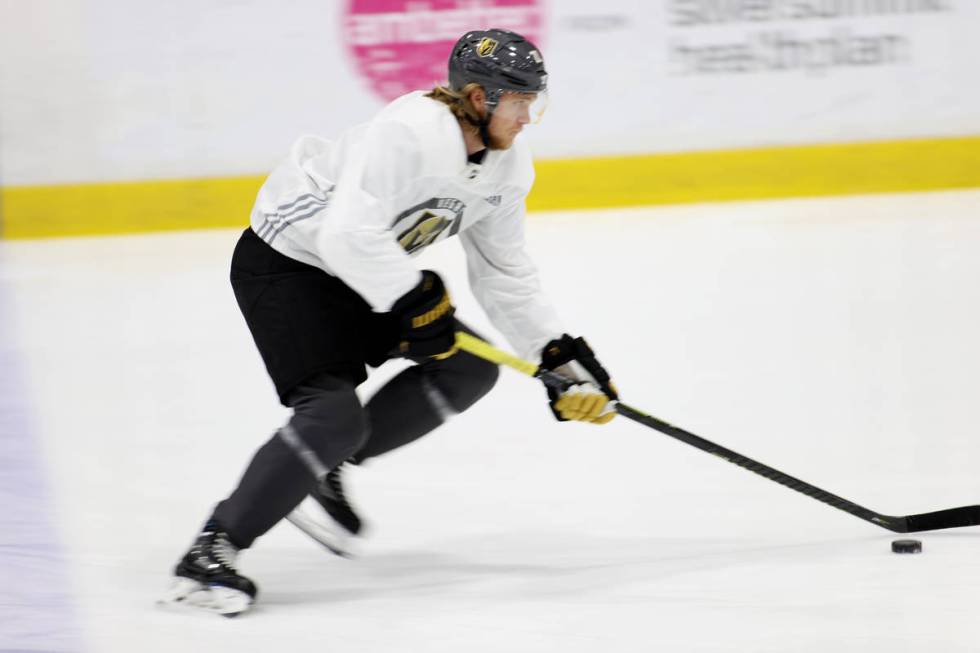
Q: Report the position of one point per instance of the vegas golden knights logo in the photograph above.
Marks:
(419, 226)
(425, 230)
(486, 47)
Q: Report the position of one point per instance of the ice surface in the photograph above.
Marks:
(833, 339)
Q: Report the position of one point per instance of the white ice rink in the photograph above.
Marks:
(836, 340)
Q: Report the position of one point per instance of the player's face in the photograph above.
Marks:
(514, 110)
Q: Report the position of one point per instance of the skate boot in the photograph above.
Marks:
(206, 577)
(327, 517)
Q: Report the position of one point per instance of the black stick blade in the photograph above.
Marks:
(950, 518)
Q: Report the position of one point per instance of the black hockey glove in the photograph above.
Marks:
(588, 397)
(425, 319)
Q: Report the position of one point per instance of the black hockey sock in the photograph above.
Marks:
(274, 482)
(327, 427)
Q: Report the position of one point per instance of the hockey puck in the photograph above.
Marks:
(907, 546)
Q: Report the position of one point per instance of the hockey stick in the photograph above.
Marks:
(927, 521)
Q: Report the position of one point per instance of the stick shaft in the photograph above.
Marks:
(896, 524)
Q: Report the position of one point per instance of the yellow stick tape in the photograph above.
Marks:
(488, 352)
(803, 171)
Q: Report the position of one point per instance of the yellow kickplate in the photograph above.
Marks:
(708, 176)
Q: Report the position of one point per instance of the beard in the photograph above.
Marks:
(497, 142)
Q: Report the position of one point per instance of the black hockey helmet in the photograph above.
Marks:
(499, 61)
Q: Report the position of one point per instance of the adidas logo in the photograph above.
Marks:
(494, 200)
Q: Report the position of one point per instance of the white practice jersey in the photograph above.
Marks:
(361, 206)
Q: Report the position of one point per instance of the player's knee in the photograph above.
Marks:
(334, 424)
(475, 378)
(352, 433)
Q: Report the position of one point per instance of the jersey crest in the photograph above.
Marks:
(423, 224)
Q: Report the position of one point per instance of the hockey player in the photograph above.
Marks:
(326, 282)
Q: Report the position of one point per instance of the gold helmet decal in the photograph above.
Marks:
(486, 47)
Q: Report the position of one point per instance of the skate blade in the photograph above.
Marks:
(187, 593)
(310, 518)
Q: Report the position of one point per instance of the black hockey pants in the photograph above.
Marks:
(316, 337)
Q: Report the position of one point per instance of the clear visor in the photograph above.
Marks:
(526, 107)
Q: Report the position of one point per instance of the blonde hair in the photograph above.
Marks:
(459, 103)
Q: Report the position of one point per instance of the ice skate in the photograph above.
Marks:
(328, 518)
(206, 578)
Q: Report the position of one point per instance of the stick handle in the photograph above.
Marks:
(488, 352)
